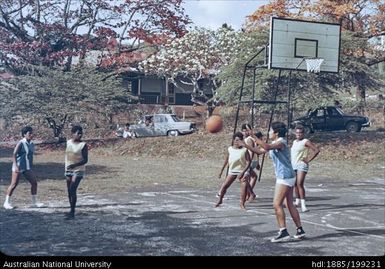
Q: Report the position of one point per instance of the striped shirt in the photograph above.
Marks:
(24, 155)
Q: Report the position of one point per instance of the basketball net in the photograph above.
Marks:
(314, 64)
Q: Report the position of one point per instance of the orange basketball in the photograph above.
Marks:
(214, 124)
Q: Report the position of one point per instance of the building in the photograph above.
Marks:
(148, 89)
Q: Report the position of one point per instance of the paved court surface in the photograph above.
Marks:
(345, 219)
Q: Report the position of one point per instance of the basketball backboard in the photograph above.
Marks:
(292, 41)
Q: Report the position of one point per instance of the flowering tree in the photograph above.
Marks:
(197, 56)
(50, 33)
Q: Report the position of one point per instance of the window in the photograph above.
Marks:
(320, 113)
(332, 112)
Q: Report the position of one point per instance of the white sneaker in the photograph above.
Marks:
(8, 206)
(304, 209)
(37, 205)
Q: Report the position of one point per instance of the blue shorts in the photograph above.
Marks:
(78, 174)
(301, 166)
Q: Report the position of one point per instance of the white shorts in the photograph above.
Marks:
(286, 181)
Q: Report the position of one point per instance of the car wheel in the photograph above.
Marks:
(352, 127)
(173, 133)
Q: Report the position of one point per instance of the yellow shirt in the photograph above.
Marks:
(299, 151)
(237, 160)
(74, 155)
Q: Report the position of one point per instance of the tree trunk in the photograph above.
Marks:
(360, 97)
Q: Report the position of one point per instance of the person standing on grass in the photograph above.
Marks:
(76, 156)
(300, 160)
(285, 180)
(22, 165)
(238, 160)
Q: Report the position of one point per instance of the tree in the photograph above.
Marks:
(360, 20)
(58, 96)
(194, 58)
(50, 33)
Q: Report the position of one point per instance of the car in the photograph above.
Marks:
(162, 125)
(330, 118)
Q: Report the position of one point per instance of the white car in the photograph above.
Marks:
(162, 124)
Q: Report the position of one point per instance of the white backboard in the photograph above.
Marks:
(293, 40)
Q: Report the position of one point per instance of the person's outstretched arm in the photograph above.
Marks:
(224, 164)
(314, 149)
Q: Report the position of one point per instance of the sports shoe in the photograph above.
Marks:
(300, 233)
(304, 209)
(282, 236)
(7, 205)
(37, 205)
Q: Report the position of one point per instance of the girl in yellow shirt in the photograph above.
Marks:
(238, 160)
(75, 159)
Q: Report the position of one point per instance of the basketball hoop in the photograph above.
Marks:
(314, 64)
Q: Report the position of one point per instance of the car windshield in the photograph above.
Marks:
(175, 118)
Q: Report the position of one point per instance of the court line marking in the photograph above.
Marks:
(326, 225)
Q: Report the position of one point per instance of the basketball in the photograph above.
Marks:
(214, 124)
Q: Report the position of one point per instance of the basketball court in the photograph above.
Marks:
(344, 220)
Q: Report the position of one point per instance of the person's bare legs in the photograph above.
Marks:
(300, 187)
(250, 188)
(30, 176)
(244, 188)
(292, 209)
(72, 185)
(279, 197)
(253, 178)
(14, 182)
(296, 188)
(229, 180)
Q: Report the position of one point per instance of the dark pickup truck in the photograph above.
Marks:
(331, 118)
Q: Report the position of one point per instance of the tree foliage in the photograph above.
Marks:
(57, 96)
(50, 33)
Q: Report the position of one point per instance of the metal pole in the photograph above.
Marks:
(242, 85)
(239, 100)
(271, 119)
(289, 106)
(253, 97)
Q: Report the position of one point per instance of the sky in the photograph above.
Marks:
(213, 13)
